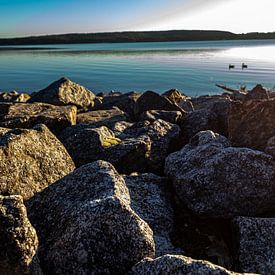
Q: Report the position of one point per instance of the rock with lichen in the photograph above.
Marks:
(65, 92)
(86, 225)
(14, 97)
(18, 239)
(31, 159)
(26, 115)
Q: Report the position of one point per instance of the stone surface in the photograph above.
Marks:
(26, 115)
(18, 239)
(14, 97)
(169, 116)
(176, 264)
(86, 144)
(216, 180)
(125, 102)
(255, 243)
(65, 92)
(153, 101)
(258, 92)
(175, 96)
(31, 160)
(270, 147)
(150, 200)
(102, 117)
(251, 123)
(86, 226)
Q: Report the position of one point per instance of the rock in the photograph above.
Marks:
(18, 239)
(255, 242)
(251, 123)
(175, 96)
(31, 160)
(258, 92)
(125, 102)
(187, 105)
(150, 201)
(218, 181)
(164, 136)
(13, 97)
(205, 102)
(65, 92)
(270, 147)
(25, 115)
(102, 117)
(176, 264)
(153, 101)
(169, 116)
(86, 226)
(214, 117)
(86, 144)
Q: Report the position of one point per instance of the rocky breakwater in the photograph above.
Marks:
(137, 183)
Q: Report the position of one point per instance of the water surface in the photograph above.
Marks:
(193, 67)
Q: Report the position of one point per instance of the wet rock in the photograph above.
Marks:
(102, 117)
(175, 264)
(153, 101)
(150, 200)
(169, 116)
(218, 181)
(25, 115)
(164, 136)
(255, 245)
(31, 160)
(64, 92)
(86, 144)
(14, 97)
(258, 92)
(251, 123)
(18, 239)
(125, 102)
(86, 226)
(175, 96)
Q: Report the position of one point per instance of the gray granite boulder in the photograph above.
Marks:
(169, 116)
(102, 117)
(86, 226)
(31, 160)
(153, 101)
(150, 200)
(26, 115)
(65, 92)
(175, 264)
(255, 244)
(18, 239)
(215, 180)
(86, 144)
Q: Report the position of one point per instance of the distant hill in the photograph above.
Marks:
(148, 36)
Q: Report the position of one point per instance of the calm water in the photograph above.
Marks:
(193, 67)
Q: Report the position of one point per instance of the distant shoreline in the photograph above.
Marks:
(128, 37)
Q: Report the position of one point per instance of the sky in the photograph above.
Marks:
(35, 17)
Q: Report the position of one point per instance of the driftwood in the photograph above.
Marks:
(242, 89)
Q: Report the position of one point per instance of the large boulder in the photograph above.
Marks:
(65, 92)
(102, 117)
(153, 101)
(216, 180)
(14, 97)
(176, 264)
(169, 116)
(258, 92)
(175, 96)
(18, 239)
(150, 200)
(251, 123)
(25, 115)
(125, 102)
(86, 226)
(86, 144)
(31, 160)
(255, 239)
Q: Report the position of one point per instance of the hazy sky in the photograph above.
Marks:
(28, 17)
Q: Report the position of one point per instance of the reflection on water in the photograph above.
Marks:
(193, 67)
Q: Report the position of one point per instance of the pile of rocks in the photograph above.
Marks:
(137, 183)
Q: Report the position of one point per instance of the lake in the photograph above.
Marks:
(192, 67)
